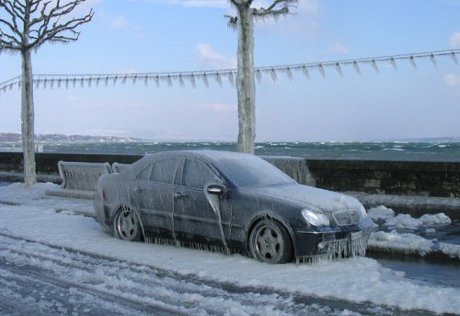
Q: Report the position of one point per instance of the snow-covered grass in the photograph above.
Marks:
(354, 279)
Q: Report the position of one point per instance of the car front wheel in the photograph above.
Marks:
(269, 242)
(127, 225)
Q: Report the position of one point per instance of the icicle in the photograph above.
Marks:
(98, 79)
(45, 83)
(157, 81)
(393, 62)
(356, 67)
(123, 80)
(433, 60)
(305, 71)
(412, 61)
(258, 76)
(168, 80)
(374, 64)
(339, 69)
(134, 79)
(89, 81)
(273, 74)
(204, 77)
(231, 78)
(181, 80)
(67, 83)
(289, 73)
(115, 80)
(59, 83)
(146, 80)
(10, 86)
(193, 81)
(321, 70)
(106, 81)
(218, 79)
(74, 82)
(82, 82)
(454, 57)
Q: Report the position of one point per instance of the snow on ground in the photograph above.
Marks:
(408, 242)
(389, 219)
(355, 279)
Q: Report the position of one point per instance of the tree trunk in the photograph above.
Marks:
(27, 119)
(246, 82)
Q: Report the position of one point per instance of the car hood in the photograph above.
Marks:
(309, 197)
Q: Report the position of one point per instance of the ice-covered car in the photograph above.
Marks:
(231, 202)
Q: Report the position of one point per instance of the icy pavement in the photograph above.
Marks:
(34, 229)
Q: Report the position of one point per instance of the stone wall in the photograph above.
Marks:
(440, 179)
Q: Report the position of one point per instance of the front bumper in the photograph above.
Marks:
(330, 242)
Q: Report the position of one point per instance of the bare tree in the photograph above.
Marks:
(24, 26)
(244, 22)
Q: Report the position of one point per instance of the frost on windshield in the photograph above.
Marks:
(296, 168)
(250, 171)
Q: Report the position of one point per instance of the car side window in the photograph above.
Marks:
(144, 174)
(164, 171)
(197, 175)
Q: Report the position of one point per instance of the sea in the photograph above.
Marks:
(448, 151)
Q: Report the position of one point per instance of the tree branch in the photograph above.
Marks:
(63, 33)
(278, 7)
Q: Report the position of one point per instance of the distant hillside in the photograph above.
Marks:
(13, 137)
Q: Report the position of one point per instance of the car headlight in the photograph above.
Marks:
(315, 218)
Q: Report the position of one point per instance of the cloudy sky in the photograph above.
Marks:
(128, 36)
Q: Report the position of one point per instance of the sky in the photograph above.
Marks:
(129, 36)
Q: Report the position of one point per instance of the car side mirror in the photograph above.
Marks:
(216, 189)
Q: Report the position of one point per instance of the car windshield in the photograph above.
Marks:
(252, 172)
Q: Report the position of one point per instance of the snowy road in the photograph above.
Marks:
(40, 279)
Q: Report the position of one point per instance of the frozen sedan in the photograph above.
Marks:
(229, 202)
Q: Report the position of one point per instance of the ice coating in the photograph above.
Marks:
(309, 197)
(170, 194)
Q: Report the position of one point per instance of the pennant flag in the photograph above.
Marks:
(51, 81)
(412, 61)
(305, 71)
(356, 67)
(339, 69)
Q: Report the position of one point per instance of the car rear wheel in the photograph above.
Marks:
(127, 225)
(269, 242)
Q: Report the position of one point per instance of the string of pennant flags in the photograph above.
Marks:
(225, 75)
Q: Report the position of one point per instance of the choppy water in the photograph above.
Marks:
(415, 151)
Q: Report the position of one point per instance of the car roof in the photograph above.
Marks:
(206, 154)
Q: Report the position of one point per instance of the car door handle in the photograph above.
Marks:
(179, 195)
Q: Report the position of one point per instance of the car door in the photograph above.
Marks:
(194, 217)
(155, 197)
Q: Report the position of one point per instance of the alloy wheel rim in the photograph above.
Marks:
(269, 244)
(127, 224)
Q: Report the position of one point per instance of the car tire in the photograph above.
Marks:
(127, 225)
(269, 242)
